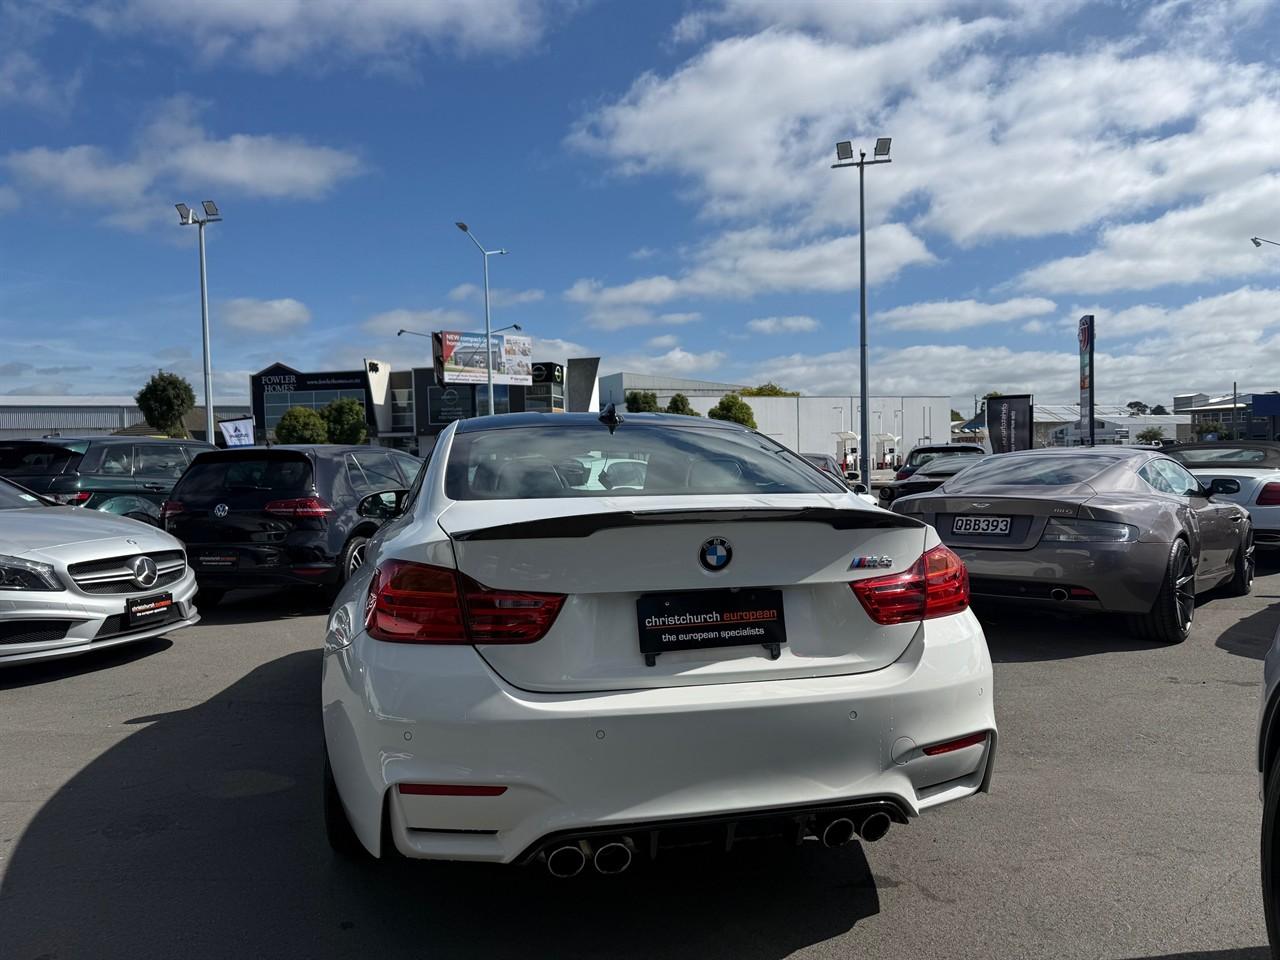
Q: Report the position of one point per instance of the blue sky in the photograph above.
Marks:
(661, 175)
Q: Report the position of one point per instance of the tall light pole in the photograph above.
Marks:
(187, 216)
(844, 158)
(488, 345)
(1259, 241)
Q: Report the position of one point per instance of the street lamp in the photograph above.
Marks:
(1259, 241)
(844, 158)
(186, 217)
(488, 333)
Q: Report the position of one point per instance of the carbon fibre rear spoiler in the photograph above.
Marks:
(584, 525)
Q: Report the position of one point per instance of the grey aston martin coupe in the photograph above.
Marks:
(1117, 529)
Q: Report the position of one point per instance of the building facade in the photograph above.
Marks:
(89, 416)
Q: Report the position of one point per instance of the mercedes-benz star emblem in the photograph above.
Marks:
(715, 554)
(144, 569)
(220, 511)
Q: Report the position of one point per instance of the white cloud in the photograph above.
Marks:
(1035, 326)
(9, 199)
(771, 325)
(552, 348)
(24, 81)
(277, 33)
(961, 314)
(1194, 244)
(664, 342)
(266, 316)
(744, 263)
(643, 253)
(620, 317)
(675, 362)
(172, 150)
(497, 296)
(390, 322)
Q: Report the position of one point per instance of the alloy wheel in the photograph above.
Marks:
(1185, 593)
(357, 559)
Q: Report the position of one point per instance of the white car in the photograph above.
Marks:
(75, 580)
(1254, 465)
(532, 671)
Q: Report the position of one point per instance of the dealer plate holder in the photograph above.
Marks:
(774, 649)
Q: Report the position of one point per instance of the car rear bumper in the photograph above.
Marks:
(46, 626)
(1266, 539)
(1120, 577)
(568, 763)
(322, 574)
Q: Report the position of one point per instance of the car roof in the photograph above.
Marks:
(507, 421)
(926, 447)
(108, 439)
(1270, 449)
(315, 449)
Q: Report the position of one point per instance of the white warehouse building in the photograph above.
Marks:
(827, 424)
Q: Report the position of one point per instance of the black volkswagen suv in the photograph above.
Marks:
(130, 476)
(281, 515)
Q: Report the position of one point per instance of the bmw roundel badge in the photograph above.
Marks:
(715, 554)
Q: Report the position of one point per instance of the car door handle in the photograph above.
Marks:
(153, 486)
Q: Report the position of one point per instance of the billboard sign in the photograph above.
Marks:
(462, 358)
(1010, 423)
(1086, 338)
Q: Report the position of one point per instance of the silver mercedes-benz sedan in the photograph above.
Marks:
(75, 580)
(1116, 529)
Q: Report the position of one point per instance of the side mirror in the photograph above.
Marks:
(386, 505)
(859, 488)
(1224, 485)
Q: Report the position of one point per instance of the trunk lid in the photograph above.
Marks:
(1027, 516)
(606, 553)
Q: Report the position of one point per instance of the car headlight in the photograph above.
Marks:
(19, 574)
(1089, 531)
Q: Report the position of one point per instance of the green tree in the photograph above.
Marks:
(958, 417)
(733, 407)
(992, 393)
(1137, 408)
(769, 389)
(301, 425)
(680, 404)
(1211, 426)
(345, 421)
(164, 401)
(1150, 435)
(642, 401)
(1159, 410)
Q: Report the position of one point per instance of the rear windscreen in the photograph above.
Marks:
(639, 460)
(918, 458)
(272, 476)
(1042, 470)
(1239, 456)
(37, 459)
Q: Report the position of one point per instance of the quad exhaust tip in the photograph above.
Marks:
(567, 861)
(875, 826)
(613, 857)
(837, 832)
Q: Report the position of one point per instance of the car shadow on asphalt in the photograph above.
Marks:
(200, 835)
(256, 606)
(47, 671)
(1243, 953)
(1018, 634)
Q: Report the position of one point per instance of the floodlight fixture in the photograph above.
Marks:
(462, 226)
(210, 208)
(184, 212)
(882, 146)
(844, 150)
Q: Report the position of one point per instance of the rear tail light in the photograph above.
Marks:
(902, 474)
(77, 499)
(416, 603)
(972, 740)
(299, 507)
(936, 586)
(1269, 496)
(170, 508)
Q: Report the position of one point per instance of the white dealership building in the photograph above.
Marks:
(825, 424)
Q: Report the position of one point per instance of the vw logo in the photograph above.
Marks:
(144, 569)
(220, 511)
(715, 554)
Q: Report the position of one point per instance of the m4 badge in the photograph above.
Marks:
(860, 563)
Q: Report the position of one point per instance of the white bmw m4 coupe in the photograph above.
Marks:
(547, 659)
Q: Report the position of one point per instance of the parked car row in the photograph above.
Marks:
(168, 520)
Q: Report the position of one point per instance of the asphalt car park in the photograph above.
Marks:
(163, 799)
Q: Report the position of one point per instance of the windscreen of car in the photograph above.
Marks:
(31, 459)
(949, 465)
(918, 458)
(372, 471)
(274, 476)
(1041, 470)
(13, 497)
(1236, 456)
(638, 460)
